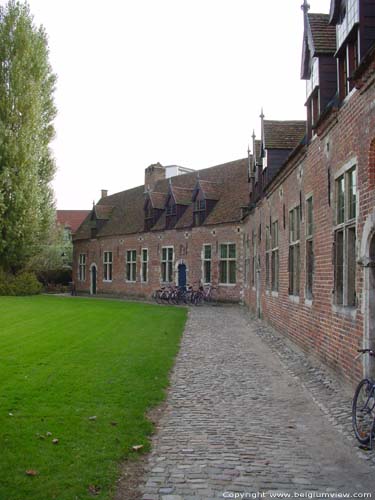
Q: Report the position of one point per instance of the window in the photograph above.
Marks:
(268, 257)
(247, 259)
(228, 263)
(254, 259)
(207, 256)
(144, 267)
(309, 249)
(131, 265)
(294, 251)
(149, 216)
(345, 239)
(167, 264)
(275, 256)
(82, 267)
(171, 215)
(199, 212)
(107, 267)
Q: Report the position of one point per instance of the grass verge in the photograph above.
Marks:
(63, 361)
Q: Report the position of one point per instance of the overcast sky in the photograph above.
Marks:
(175, 81)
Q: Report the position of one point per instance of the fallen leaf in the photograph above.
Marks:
(48, 433)
(93, 417)
(113, 423)
(94, 490)
(137, 447)
(11, 414)
(40, 436)
(31, 472)
(55, 441)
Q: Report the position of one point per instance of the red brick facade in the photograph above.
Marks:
(300, 212)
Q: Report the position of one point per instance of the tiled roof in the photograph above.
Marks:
(103, 212)
(182, 195)
(323, 35)
(127, 216)
(71, 219)
(211, 190)
(283, 134)
(157, 199)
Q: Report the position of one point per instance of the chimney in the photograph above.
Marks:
(153, 174)
(104, 193)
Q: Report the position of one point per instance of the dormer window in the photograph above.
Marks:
(171, 215)
(171, 209)
(149, 216)
(199, 212)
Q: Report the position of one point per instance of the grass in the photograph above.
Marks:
(63, 361)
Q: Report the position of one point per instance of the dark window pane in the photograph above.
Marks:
(340, 185)
(351, 266)
(339, 267)
(232, 271)
(223, 271)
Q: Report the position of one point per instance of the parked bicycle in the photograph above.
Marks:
(363, 409)
(183, 295)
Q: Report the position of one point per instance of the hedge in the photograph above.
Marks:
(24, 283)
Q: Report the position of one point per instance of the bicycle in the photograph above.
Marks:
(363, 409)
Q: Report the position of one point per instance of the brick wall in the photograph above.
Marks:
(188, 246)
(320, 327)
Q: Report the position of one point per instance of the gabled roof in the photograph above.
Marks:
(322, 34)
(283, 134)
(71, 219)
(210, 190)
(157, 199)
(181, 195)
(127, 216)
(103, 212)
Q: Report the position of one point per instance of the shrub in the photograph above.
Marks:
(24, 283)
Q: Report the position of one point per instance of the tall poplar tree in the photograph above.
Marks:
(27, 111)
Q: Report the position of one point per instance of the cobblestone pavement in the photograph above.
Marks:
(239, 419)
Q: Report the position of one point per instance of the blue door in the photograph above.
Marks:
(182, 276)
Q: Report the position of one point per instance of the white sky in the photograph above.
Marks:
(176, 81)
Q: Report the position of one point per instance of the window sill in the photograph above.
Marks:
(348, 311)
(294, 298)
(308, 302)
(130, 281)
(107, 281)
(227, 284)
(274, 293)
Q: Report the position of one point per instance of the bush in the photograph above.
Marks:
(24, 283)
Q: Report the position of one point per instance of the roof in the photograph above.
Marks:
(181, 195)
(283, 134)
(157, 199)
(323, 35)
(103, 212)
(211, 190)
(127, 216)
(71, 219)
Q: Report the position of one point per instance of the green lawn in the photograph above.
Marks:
(62, 361)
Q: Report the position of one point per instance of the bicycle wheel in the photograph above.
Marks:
(363, 411)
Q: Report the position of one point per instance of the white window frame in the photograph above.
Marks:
(82, 262)
(346, 226)
(309, 240)
(294, 246)
(275, 258)
(132, 262)
(107, 266)
(204, 260)
(142, 264)
(168, 263)
(228, 260)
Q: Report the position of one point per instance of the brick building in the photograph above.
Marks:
(311, 231)
(183, 229)
(290, 230)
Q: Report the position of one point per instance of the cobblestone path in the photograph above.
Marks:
(238, 421)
